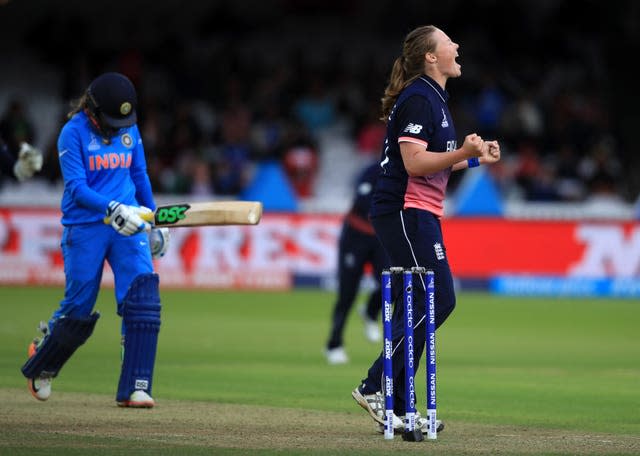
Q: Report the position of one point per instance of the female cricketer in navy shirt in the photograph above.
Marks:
(106, 203)
(420, 151)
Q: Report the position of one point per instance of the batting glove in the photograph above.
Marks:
(29, 161)
(159, 241)
(128, 220)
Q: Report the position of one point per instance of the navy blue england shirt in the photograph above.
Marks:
(420, 115)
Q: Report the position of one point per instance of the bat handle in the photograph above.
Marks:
(146, 216)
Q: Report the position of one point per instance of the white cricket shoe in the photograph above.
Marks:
(40, 387)
(337, 356)
(371, 327)
(423, 424)
(138, 399)
(372, 331)
(374, 405)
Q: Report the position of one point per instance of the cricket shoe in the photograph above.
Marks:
(371, 327)
(138, 399)
(39, 387)
(374, 405)
(336, 355)
(421, 423)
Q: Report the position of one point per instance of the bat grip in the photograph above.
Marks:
(146, 216)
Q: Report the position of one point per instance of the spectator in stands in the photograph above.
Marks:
(15, 126)
(490, 106)
(370, 135)
(570, 186)
(233, 158)
(201, 182)
(300, 162)
(315, 109)
(528, 167)
(555, 97)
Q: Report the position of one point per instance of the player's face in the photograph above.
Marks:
(446, 53)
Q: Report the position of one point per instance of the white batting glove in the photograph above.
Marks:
(29, 161)
(128, 220)
(159, 241)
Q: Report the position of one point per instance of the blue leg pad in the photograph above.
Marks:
(66, 336)
(141, 319)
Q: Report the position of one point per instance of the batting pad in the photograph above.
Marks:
(66, 336)
(141, 318)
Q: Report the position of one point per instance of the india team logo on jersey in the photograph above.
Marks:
(127, 141)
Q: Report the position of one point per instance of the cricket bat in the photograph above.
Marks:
(210, 213)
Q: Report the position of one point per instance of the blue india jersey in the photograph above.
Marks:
(96, 172)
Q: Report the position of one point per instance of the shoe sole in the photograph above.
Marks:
(362, 402)
(132, 404)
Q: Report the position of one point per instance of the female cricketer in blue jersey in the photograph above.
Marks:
(105, 179)
(419, 153)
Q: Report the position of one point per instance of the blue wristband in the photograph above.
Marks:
(473, 162)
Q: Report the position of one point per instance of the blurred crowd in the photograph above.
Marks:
(209, 114)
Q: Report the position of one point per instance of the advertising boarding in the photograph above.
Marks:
(292, 250)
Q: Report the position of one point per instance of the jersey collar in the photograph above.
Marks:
(443, 94)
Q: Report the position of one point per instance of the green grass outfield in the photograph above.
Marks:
(562, 365)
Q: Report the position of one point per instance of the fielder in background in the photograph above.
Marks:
(419, 153)
(22, 164)
(358, 246)
(104, 169)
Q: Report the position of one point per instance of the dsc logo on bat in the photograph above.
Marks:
(171, 214)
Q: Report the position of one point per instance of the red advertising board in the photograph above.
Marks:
(491, 247)
(284, 246)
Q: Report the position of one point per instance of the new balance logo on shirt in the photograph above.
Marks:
(413, 128)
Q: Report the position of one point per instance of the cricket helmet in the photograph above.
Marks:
(112, 99)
